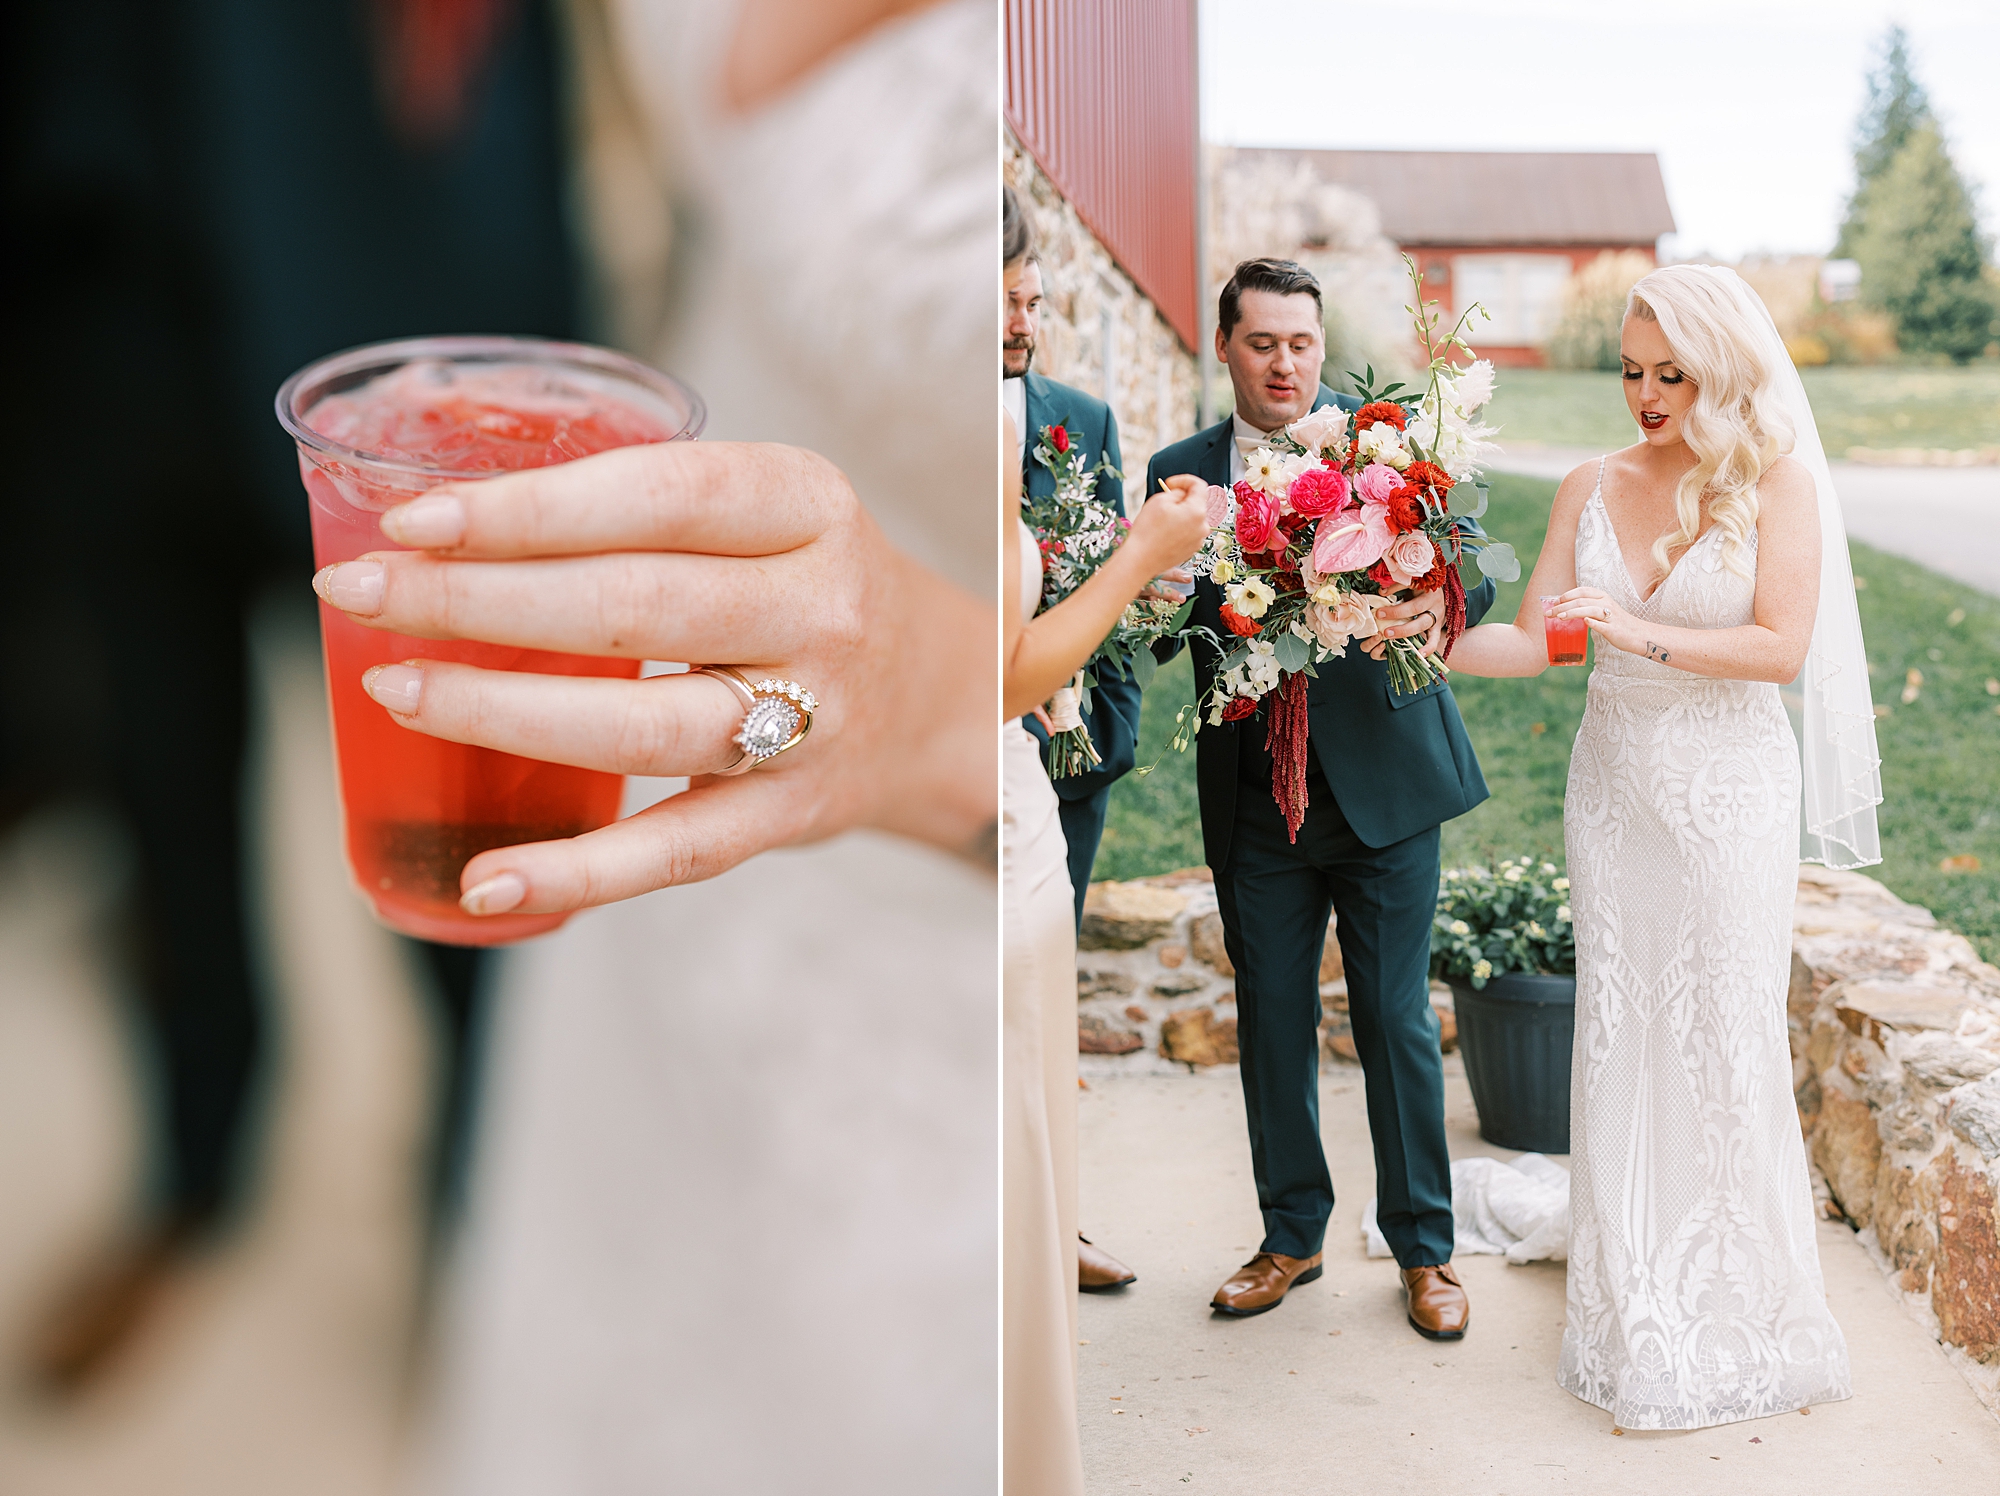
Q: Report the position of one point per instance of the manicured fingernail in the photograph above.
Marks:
(398, 687)
(352, 586)
(496, 895)
(437, 519)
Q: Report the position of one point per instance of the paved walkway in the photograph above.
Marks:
(1945, 518)
(1332, 1392)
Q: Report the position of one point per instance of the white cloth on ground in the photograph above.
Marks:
(1518, 1210)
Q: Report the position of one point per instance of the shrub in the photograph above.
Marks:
(1593, 311)
(1513, 917)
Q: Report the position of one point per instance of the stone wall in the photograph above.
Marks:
(1896, 1063)
(1895, 1028)
(1100, 333)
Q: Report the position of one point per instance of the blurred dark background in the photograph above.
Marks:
(202, 196)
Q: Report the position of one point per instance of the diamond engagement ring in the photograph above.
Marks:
(777, 714)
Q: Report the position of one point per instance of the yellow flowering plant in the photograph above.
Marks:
(1513, 916)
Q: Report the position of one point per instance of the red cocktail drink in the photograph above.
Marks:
(375, 428)
(1568, 638)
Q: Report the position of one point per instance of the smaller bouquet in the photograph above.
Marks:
(1077, 531)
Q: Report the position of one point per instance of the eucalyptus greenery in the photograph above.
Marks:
(1513, 916)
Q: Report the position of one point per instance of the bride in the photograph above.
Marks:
(1710, 561)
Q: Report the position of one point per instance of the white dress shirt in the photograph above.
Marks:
(1240, 429)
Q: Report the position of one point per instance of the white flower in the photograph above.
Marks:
(1383, 443)
(1537, 931)
(1314, 431)
(1474, 387)
(1460, 927)
(1562, 913)
(1222, 571)
(1548, 867)
(1481, 970)
(1561, 885)
(1273, 471)
(1251, 597)
(1513, 874)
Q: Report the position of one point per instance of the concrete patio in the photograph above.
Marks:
(1333, 1392)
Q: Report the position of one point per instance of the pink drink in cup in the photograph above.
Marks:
(375, 427)
(1568, 638)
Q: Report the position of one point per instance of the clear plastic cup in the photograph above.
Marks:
(376, 427)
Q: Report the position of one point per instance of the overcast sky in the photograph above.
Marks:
(1750, 103)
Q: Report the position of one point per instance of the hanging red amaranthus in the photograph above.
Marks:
(1285, 737)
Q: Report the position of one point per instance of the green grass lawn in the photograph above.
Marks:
(1941, 754)
(1882, 406)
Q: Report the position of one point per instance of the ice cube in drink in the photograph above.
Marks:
(1568, 638)
(375, 428)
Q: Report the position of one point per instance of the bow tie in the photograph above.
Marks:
(1249, 444)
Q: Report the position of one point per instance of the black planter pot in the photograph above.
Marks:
(1516, 1034)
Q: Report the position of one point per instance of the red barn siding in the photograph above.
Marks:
(1104, 94)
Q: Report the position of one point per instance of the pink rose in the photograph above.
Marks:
(1317, 491)
(1218, 506)
(1409, 556)
(1377, 481)
(1256, 519)
(1351, 539)
(1352, 617)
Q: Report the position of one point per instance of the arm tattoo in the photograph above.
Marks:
(1654, 652)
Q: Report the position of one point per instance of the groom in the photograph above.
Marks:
(1385, 771)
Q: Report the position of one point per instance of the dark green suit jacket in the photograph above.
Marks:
(1112, 718)
(1397, 765)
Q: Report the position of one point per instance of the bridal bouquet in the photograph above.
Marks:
(1076, 531)
(1332, 521)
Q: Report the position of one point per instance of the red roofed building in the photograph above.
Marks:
(1503, 228)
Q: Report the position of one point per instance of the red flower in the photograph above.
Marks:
(1237, 624)
(1318, 491)
(1238, 707)
(1429, 475)
(1059, 438)
(1432, 580)
(1380, 575)
(1380, 410)
(1406, 509)
(1256, 519)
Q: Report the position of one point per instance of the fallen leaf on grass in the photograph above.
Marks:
(1536, 729)
(1861, 584)
(1882, 710)
(1965, 862)
(1992, 686)
(1956, 617)
(1913, 682)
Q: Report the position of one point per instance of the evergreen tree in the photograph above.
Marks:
(1897, 104)
(1922, 257)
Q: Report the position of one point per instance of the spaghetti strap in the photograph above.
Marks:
(1597, 489)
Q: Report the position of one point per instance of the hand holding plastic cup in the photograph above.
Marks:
(1568, 638)
(375, 428)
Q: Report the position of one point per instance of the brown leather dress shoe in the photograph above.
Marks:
(1438, 1310)
(1097, 1270)
(1263, 1281)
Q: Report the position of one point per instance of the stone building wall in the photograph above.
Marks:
(1100, 333)
(1895, 1039)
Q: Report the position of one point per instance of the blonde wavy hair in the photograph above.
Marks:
(1719, 333)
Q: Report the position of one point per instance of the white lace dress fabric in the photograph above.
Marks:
(1695, 1295)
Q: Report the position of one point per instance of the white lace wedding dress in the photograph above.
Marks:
(1695, 1295)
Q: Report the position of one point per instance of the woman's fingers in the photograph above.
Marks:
(684, 839)
(631, 605)
(717, 498)
(666, 726)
